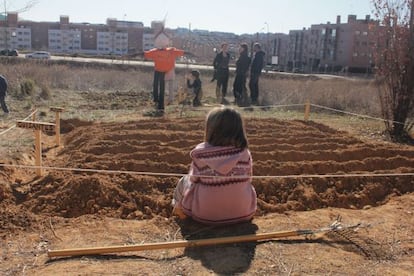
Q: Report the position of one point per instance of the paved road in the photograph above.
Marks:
(130, 62)
(178, 65)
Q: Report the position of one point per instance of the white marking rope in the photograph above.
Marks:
(254, 177)
(13, 126)
(355, 114)
(210, 176)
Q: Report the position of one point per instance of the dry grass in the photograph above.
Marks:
(353, 95)
(78, 85)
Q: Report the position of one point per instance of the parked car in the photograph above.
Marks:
(9, 52)
(271, 67)
(39, 55)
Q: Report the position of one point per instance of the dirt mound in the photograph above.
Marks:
(279, 148)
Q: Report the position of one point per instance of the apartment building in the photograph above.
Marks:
(346, 47)
(13, 35)
(115, 37)
(331, 47)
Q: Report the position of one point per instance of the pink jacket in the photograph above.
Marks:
(225, 199)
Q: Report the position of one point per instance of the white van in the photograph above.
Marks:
(39, 55)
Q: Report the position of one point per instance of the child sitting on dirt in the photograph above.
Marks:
(218, 189)
(194, 82)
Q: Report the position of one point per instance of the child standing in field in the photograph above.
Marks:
(194, 82)
(218, 189)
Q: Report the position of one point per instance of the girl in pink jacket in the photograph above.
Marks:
(218, 188)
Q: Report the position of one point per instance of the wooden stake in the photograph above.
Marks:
(38, 128)
(175, 244)
(57, 111)
(307, 110)
(38, 151)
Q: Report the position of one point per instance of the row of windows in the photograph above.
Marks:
(24, 33)
(60, 41)
(14, 40)
(356, 54)
(58, 34)
(110, 49)
(58, 47)
(112, 37)
(361, 33)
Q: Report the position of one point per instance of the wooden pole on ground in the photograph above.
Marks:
(57, 111)
(38, 152)
(307, 110)
(176, 244)
(38, 127)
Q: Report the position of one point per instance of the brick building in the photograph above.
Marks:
(333, 47)
(321, 48)
(114, 37)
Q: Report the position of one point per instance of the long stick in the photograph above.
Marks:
(176, 244)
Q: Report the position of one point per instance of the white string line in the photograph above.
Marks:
(247, 107)
(244, 108)
(7, 130)
(211, 176)
(270, 106)
(355, 114)
(315, 105)
(256, 177)
(13, 126)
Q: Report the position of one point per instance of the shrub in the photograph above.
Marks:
(27, 87)
(44, 92)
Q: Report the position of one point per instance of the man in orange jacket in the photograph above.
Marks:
(164, 61)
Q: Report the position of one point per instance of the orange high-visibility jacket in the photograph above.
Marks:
(164, 59)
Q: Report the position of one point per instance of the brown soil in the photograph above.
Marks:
(66, 209)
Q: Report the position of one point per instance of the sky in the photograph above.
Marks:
(235, 16)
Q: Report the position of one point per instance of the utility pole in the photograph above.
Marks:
(6, 25)
(267, 43)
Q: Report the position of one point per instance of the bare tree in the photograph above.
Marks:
(30, 4)
(395, 65)
(7, 9)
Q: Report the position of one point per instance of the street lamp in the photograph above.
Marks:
(13, 35)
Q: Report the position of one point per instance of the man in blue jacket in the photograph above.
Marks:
(255, 71)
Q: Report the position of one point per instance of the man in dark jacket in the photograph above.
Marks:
(3, 91)
(255, 71)
(221, 67)
(242, 68)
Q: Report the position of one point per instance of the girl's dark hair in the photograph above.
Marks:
(225, 127)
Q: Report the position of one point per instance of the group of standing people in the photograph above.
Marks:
(246, 66)
(243, 64)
